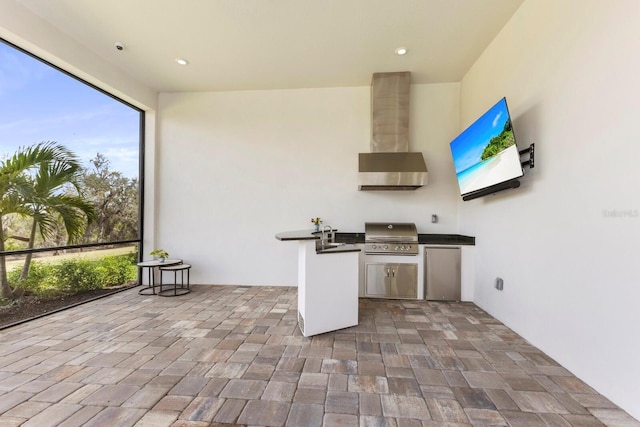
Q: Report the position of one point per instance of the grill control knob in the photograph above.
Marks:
(374, 247)
(397, 248)
(385, 247)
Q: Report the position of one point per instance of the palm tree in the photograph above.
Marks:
(16, 187)
(51, 200)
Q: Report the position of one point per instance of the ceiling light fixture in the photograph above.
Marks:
(401, 51)
(182, 61)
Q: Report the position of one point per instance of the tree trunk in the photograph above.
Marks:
(4, 283)
(27, 259)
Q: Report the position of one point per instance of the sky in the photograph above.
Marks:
(469, 145)
(39, 103)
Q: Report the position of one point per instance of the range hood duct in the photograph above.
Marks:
(390, 165)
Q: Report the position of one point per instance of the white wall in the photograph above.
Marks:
(570, 73)
(235, 168)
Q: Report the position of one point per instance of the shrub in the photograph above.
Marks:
(115, 270)
(76, 275)
(41, 281)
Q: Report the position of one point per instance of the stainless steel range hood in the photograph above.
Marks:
(390, 165)
(391, 171)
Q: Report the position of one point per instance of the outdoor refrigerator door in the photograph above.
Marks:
(442, 277)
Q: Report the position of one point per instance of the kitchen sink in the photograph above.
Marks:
(323, 246)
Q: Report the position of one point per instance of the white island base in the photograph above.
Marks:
(327, 290)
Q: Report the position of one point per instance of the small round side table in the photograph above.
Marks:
(175, 290)
(151, 265)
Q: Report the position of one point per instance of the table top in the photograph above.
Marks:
(173, 267)
(157, 263)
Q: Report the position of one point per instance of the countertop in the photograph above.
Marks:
(299, 235)
(342, 246)
(347, 240)
(423, 239)
(445, 239)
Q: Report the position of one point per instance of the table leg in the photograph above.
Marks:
(152, 283)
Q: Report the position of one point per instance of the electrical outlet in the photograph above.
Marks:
(434, 218)
(499, 284)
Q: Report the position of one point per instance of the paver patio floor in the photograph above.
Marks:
(225, 355)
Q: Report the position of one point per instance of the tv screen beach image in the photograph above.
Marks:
(486, 154)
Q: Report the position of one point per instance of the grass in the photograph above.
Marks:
(92, 255)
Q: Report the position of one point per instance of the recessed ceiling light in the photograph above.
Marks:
(401, 51)
(182, 61)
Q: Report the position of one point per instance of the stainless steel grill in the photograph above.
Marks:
(386, 238)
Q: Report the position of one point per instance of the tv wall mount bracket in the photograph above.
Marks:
(531, 151)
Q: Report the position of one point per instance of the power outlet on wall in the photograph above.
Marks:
(499, 283)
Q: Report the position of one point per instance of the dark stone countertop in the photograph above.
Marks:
(423, 239)
(358, 238)
(445, 239)
(298, 235)
(336, 248)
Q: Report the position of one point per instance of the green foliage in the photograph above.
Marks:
(77, 275)
(31, 184)
(17, 190)
(113, 271)
(500, 142)
(70, 204)
(115, 198)
(73, 276)
(11, 245)
(41, 281)
(160, 253)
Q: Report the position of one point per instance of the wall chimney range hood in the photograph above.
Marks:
(390, 165)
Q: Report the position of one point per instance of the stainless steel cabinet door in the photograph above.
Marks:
(385, 280)
(442, 274)
(377, 280)
(404, 281)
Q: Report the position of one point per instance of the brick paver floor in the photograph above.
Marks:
(233, 355)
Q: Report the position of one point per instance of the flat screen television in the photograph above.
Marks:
(485, 155)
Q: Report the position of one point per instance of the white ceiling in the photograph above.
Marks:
(279, 44)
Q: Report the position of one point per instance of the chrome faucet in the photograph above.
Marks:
(329, 234)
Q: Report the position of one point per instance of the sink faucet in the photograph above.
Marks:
(329, 234)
